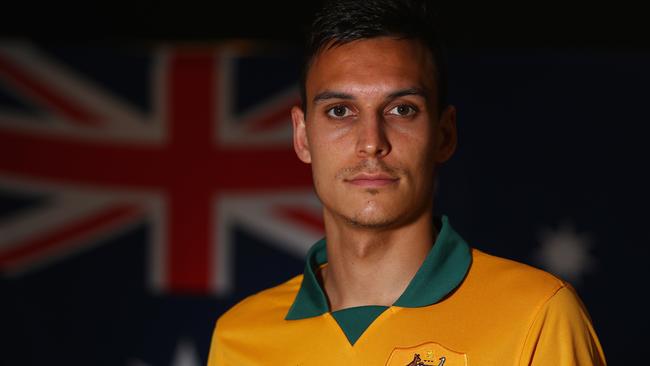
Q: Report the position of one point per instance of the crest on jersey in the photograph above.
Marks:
(426, 354)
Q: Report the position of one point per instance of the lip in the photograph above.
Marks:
(372, 180)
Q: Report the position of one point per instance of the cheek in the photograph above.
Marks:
(412, 144)
(323, 161)
(328, 144)
(331, 136)
(414, 153)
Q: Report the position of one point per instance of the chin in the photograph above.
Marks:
(373, 218)
(370, 224)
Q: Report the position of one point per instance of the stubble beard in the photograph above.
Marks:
(370, 224)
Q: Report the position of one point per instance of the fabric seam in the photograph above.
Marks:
(537, 314)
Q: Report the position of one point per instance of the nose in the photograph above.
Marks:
(371, 138)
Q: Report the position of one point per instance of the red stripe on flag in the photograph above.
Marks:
(190, 100)
(54, 158)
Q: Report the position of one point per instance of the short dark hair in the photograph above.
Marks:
(342, 21)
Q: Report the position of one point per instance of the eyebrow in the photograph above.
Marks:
(409, 91)
(328, 94)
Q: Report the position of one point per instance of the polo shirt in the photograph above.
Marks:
(462, 307)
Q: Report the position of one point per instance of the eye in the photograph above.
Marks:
(339, 111)
(403, 110)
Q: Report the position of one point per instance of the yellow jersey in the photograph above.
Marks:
(462, 307)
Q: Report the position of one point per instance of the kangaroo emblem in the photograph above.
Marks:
(417, 361)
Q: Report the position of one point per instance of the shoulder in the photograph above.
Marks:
(562, 333)
(551, 318)
(544, 313)
(512, 277)
(513, 290)
(258, 315)
(271, 304)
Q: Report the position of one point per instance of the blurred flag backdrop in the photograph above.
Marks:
(144, 190)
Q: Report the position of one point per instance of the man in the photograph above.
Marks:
(391, 284)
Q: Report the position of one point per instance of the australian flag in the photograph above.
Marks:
(145, 190)
(142, 192)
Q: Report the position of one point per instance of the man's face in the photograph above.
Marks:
(373, 133)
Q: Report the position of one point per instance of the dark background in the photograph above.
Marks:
(620, 25)
(553, 126)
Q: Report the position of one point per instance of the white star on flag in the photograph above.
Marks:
(565, 253)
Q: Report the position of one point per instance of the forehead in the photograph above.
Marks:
(375, 64)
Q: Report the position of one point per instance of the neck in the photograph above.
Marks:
(371, 266)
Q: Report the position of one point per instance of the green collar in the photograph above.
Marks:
(443, 270)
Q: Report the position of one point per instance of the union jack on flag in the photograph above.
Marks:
(209, 147)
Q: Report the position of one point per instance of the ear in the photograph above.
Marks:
(300, 140)
(447, 135)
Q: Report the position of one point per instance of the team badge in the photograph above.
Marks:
(426, 354)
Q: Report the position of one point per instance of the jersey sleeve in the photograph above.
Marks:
(562, 334)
